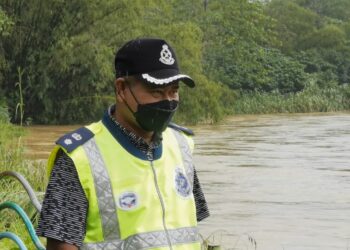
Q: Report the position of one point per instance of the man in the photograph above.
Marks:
(128, 181)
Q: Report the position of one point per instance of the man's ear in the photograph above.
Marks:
(119, 86)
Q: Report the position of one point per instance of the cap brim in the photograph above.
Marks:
(165, 77)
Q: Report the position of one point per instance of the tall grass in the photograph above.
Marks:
(20, 104)
(311, 99)
(11, 158)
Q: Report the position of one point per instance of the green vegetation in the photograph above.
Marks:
(311, 99)
(65, 51)
(11, 158)
(20, 104)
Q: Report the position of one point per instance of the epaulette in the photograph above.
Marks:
(74, 139)
(187, 131)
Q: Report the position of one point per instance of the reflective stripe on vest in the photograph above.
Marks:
(106, 203)
(108, 210)
(148, 240)
(186, 156)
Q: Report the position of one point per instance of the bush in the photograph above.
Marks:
(326, 65)
(285, 74)
(208, 102)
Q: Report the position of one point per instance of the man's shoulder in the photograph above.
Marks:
(182, 129)
(74, 139)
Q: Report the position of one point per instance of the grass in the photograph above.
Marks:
(11, 158)
(311, 99)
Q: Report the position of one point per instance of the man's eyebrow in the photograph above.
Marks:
(154, 87)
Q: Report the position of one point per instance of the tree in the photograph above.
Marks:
(235, 33)
(330, 36)
(339, 9)
(66, 51)
(293, 23)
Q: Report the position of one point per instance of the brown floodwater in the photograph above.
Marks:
(271, 181)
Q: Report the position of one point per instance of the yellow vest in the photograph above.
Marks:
(135, 201)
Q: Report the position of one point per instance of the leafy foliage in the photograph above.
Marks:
(234, 34)
(328, 67)
(293, 23)
(285, 74)
(65, 50)
(329, 36)
(319, 36)
(339, 9)
(5, 24)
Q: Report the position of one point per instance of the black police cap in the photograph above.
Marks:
(150, 60)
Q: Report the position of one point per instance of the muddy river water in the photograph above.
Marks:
(271, 181)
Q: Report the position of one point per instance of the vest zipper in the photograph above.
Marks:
(150, 158)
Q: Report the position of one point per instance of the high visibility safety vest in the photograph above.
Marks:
(136, 201)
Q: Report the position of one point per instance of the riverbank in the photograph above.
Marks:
(12, 158)
(311, 99)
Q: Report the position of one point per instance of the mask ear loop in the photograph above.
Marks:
(132, 93)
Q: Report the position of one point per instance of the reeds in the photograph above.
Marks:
(311, 99)
(20, 104)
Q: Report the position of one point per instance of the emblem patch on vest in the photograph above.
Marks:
(128, 201)
(182, 185)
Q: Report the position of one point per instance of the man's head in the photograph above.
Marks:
(150, 60)
(147, 82)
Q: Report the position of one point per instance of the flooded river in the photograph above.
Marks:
(271, 181)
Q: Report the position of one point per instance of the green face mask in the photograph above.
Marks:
(154, 116)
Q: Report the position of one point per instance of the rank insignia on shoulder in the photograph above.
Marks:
(187, 131)
(74, 139)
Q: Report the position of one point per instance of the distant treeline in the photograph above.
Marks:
(56, 57)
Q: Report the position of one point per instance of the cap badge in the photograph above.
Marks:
(165, 56)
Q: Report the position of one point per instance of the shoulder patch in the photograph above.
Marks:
(74, 139)
(187, 131)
